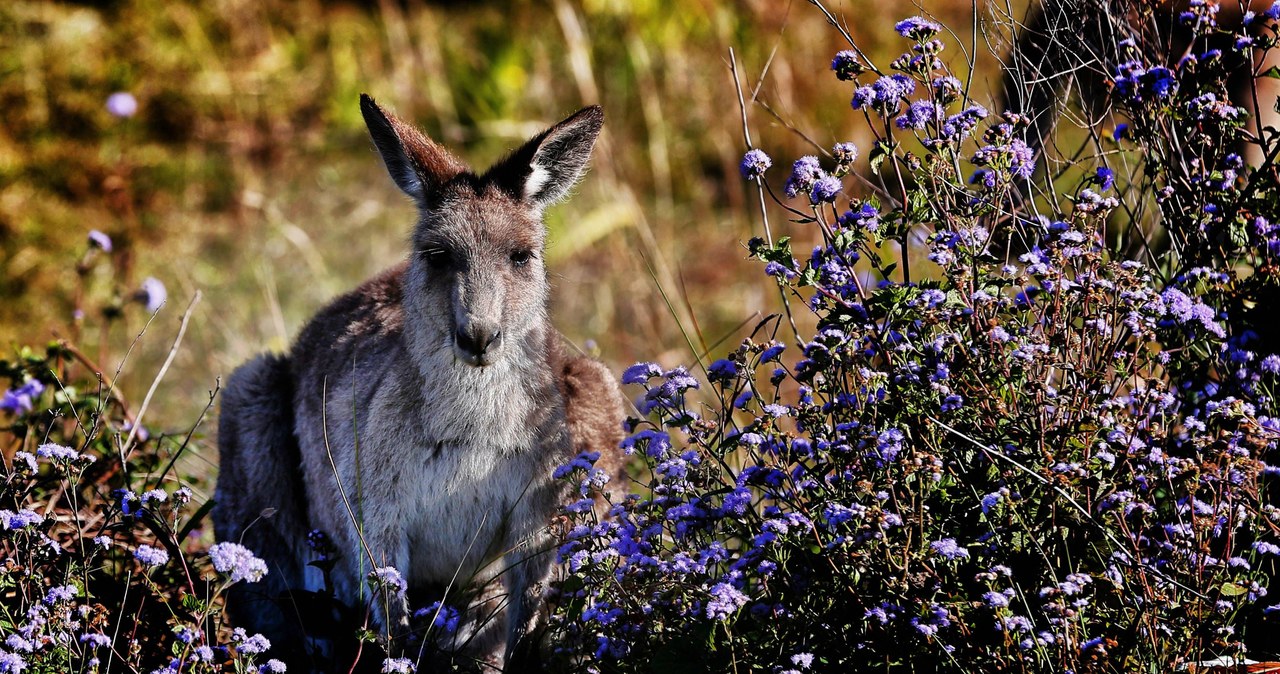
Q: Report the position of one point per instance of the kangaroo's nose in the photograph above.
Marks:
(477, 341)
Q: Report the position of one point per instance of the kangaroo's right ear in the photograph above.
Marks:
(418, 165)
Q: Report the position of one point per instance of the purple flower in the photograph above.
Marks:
(845, 153)
(949, 549)
(1105, 178)
(129, 501)
(866, 217)
(737, 501)
(95, 640)
(442, 616)
(917, 28)
(398, 666)
(122, 104)
(56, 452)
(656, 444)
(885, 94)
(1022, 160)
(998, 599)
(60, 593)
(249, 645)
(779, 270)
(99, 240)
(272, 666)
(1160, 82)
(152, 294)
(1137, 84)
(888, 446)
(1121, 132)
(1265, 548)
(389, 578)
(722, 370)
(641, 373)
(1096, 642)
(802, 660)
(237, 562)
(725, 600)
(11, 663)
(919, 115)
(846, 65)
(20, 520)
(804, 173)
(1015, 623)
(21, 400)
(151, 556)
(825, 190)
(754, 164)
(957, 127)
(947, 89)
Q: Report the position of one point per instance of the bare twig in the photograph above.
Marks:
(127, 447)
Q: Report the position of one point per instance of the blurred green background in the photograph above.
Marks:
(246, 172)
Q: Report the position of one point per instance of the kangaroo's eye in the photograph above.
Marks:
(436, 257)
(520, 258)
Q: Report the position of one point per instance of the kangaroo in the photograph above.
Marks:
(418, 419)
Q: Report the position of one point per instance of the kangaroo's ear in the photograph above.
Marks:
(418, 165)
(544, 169)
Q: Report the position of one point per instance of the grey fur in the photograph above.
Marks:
(384, 413)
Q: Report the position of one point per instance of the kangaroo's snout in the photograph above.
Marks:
(477, 344)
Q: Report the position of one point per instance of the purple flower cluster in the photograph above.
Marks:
(151, 556)
(754, 164)
(916, 28)
(805, 174)
(237, 562)
(846, 65)
(885, 95)
(1136, 84)
(388, 578)
(20, 399)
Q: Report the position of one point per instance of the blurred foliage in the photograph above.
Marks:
(246, 172)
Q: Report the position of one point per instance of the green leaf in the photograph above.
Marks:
(879, 152)
(1273, 72)
(1232, 589)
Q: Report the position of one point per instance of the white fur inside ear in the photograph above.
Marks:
(537, 179)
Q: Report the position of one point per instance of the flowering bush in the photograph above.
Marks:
(1055, 463)
(99, 534)
(105, 565)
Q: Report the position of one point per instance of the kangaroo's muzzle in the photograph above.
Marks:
(477, 344)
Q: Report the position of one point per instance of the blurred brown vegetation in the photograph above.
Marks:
(246, 172)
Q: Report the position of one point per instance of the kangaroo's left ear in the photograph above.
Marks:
(544, 169)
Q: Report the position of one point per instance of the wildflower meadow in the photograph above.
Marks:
(1007, 405)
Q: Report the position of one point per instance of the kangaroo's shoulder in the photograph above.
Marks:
(371, 314)
(594, 406)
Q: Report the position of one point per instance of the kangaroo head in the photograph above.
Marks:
(476, 280)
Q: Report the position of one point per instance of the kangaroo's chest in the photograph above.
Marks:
(465, 517)
(462, 460)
